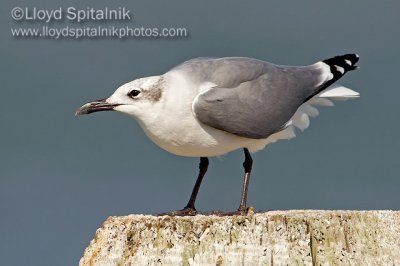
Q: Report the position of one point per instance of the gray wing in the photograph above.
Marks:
(252, 98)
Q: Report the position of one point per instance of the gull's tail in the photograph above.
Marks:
(338, 92)
(338, 65)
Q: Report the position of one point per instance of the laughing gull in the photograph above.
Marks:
(211, 106)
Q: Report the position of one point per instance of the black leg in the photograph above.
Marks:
(190, 209)
(203, 166)
(247, 164)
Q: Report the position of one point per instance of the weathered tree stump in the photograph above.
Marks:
(304, 237)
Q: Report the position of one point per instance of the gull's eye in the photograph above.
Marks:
(133, 93)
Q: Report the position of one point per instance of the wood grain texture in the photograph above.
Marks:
(303, 237)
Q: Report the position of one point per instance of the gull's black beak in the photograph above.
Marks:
(96, 106)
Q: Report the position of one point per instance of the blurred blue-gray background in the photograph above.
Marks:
(62, 176)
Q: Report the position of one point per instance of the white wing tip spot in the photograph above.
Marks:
(340, 69)
(348, 62)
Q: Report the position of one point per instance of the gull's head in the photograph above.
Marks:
(133, 98)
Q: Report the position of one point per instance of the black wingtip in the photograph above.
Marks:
(338, 66)
(342, 63)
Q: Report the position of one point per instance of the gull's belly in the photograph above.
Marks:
(194, 139)
(189, 137)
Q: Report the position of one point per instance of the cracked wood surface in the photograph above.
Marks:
(304, 237)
